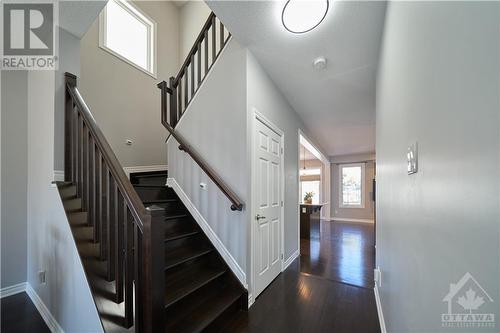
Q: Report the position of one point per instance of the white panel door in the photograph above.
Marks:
(267, 206)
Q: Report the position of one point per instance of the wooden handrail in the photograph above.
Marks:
(135, 204)
(174, 97)
(236, 203)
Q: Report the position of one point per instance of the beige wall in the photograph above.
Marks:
(366, 213)
(124, 100)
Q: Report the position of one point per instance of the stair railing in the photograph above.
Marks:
(200, 59)
(130, 243)
(174, 100)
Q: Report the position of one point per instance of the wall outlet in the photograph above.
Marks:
(41, 277)
(377, 276)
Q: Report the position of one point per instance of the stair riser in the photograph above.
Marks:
(76, 219)
(68, 192)
(148, 194)
(72, 204)
(151, 180)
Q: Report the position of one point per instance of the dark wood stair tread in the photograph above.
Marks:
(180, 229)
(185, 253)
(194, 316)
(187, 280)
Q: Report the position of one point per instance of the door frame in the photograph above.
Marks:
(257, 116)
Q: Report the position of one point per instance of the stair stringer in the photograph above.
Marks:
(209, 232)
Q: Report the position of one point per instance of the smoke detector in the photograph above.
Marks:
(319, 63)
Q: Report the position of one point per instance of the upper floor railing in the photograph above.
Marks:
(180, 90)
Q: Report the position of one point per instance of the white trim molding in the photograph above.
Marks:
(58, 175)
(49, 319)
(250, 300)
(290, 259)
(214, 239)
(13, 290)
(379, 310)
(145, 168)
(344, 219)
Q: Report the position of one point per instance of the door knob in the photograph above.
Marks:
(259, 217)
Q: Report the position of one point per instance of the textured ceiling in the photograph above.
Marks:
(337, 105)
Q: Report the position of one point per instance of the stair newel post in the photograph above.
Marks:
(163, 105)
(153, 271)
(69, 80)
(173, 102)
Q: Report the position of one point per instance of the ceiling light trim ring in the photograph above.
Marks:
(303, 32)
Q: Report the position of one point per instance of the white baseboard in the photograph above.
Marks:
(221, 248)
(49, 319)
(12, 290)
(250, 300)
(144, 168)
(287, 262)
(58, 175)
(344, 219)
(379, 311)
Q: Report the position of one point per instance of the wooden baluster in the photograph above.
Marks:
(173, 103)
(85, 170)
(153, 288)
(118, 252)
(75, 147)
(199, 64)
(192, 75)
(103, 199)
(80, 156)
(110, 224)
(69, 129)
(186, 88)
(129, 266)
(138, 277)
(214, 40)
(96, 201)
(222, 41)
(205, 38)
(91, 182)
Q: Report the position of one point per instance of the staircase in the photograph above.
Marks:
(199, 286)
(150, 266)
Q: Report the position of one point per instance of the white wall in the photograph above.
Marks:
(14, 150)
(215, 125)
(51, 247)
(124, 100)
(438, 85)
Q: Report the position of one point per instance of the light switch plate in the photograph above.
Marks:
(412, 158)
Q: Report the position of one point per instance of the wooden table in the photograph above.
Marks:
(309, 216)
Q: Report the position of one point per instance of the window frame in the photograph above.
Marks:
(152, 33)
(341, 186)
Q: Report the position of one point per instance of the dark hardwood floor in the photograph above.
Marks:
(344, 252)
(296, 302)
(19, 315)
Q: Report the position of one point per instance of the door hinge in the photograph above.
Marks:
(281, 203)
(282, 256)
(282, 151)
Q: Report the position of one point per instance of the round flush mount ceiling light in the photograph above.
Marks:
(300, 16)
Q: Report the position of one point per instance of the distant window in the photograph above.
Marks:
(129, 34)
(352, 185)
(310, 186)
